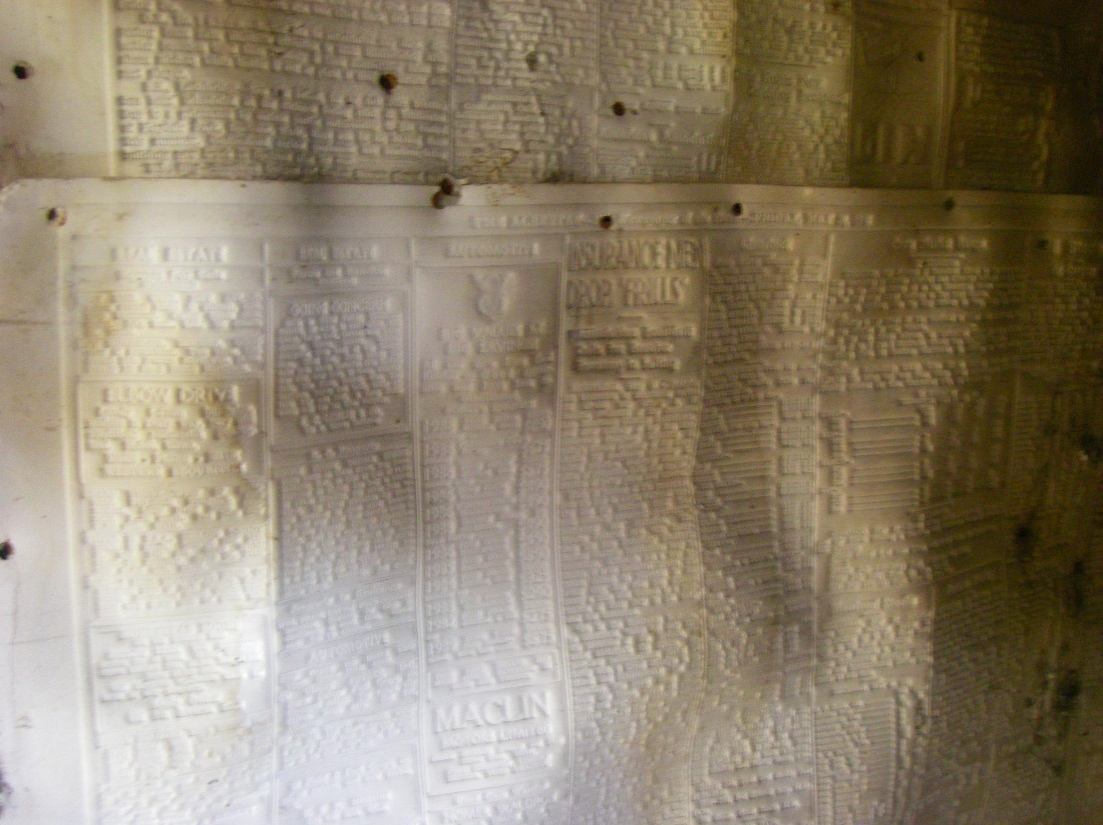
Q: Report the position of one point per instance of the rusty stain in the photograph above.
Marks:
(489, 166)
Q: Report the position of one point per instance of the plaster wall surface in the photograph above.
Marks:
(882, 93)
(714, 492)
(568, 504)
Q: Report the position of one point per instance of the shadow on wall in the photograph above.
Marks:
(899, 479)
(1010, 521)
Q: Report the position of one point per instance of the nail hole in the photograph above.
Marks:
(6, 550)
(606, 221)
(533, 61)
(619, 109)
(56, 215)
(920, 56)
(737, 209)
(388, 81)
(447, 186)
(1043, 243)
(22, 70)
(948, 204)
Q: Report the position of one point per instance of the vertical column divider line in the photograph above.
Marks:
(557, 557)
(419, 531)
(852, 71)
(727, 134)
(829, 267)
(595, 98)
(273, 532)
(698, 703)
(947, 84)
(69, 375)
(454, 24)
(110, 90)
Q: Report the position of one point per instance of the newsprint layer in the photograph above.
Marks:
(980, 94)
(573, 505)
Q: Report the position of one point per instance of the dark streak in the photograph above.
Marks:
(1092, 447)
(1068, 693)
(5, 793)
(1025, 541)
(1077, 593)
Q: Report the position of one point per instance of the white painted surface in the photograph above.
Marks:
(894, 93)
(378, 513)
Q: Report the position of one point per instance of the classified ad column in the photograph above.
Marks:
(170, 508)
(494, 712)
(630, 546)
(754, 479)
(343, 470)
